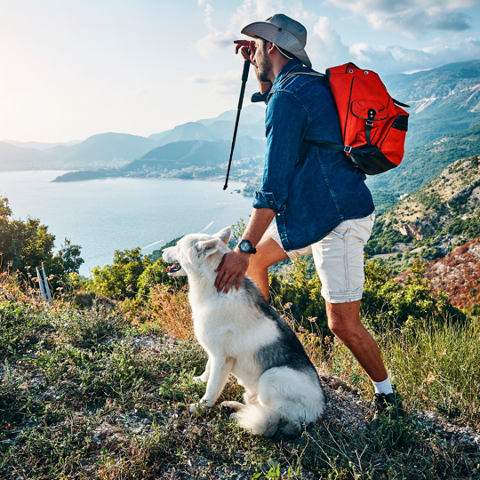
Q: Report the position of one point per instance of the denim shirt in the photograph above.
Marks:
(311, 189)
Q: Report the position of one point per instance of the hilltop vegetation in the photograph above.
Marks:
(97, 387)
(430, 222)
(25, 245)
(423, 164)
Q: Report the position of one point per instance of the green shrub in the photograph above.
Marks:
(301, 294)
(120, 279)
(386, 302)
(25, 245)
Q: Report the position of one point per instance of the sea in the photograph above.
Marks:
(122, 213)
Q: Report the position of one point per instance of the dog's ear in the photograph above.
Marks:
(208, 247)
(224, 235)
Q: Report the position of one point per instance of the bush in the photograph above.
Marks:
(301, 294)
(386, 302)
(25, 245)
(131, 274)
(120, 279)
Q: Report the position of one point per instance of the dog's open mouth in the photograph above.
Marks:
(174, 268)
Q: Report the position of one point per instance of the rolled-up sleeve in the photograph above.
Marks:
(286, 125)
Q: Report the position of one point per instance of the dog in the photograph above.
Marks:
(244, 336)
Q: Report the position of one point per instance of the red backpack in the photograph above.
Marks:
(373, 124)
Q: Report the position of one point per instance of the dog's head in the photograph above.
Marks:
(195, 252)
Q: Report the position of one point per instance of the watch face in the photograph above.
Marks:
(245, 246)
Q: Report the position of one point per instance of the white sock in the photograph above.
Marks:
(383, 387)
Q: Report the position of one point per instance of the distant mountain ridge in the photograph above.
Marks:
(184, 159)
(444, 100)
(16, 158)
(252, 124)
(113, 150)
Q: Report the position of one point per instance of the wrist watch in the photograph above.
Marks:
(246, 247)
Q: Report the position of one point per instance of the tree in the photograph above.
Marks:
(25, 245)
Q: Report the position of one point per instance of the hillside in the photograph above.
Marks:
(457, 275)
(429, 222)
(18, 158)
(443, 100)
(422, 164)
(203, 153)
(101, 150)
(252, 124)
(185, 159)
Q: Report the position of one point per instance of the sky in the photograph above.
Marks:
(71, 69)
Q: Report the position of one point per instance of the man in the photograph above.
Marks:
(318, 198)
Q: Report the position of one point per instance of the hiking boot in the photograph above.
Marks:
(388, 407)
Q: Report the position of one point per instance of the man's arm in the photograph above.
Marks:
(234, 264)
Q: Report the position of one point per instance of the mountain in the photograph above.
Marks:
(197, 153)
(41, 145)
(16, 158)
(187, 131)
(422, 164)
(252, 124)
(185, 159)
(430, 222)
(250, 114)
(443, 101)
(102, 150)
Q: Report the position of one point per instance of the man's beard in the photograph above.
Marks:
(264, 68)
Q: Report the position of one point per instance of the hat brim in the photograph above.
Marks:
(279, 37)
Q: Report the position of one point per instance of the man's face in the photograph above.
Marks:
(262, 60)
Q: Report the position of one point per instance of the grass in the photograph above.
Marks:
(81, 397)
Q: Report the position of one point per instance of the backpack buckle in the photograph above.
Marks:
(347, 149)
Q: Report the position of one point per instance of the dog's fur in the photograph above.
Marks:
(243, 335)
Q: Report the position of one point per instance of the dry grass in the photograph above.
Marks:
(172, 312)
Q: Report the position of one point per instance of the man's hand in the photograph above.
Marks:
(248, 49)
(231, 270)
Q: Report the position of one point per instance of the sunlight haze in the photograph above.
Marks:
(72, 69)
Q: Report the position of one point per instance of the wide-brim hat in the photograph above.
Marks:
(284, 32)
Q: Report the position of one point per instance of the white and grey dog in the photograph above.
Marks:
(244, 336)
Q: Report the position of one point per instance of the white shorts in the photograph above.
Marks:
(338, 258)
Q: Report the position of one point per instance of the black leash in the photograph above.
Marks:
(246, 68)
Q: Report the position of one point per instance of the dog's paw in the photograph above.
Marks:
(199, 379)
(233, 405)
(198, 407)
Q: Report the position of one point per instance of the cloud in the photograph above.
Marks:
(411, 17)
(215, 41)
(326, 44)
(327, 49)
(394, 59)
(208, 16)
(249, 11)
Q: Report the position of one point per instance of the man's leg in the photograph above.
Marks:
(344, 321)
(268, 253)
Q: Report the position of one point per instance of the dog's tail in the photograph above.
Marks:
(258, 419)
